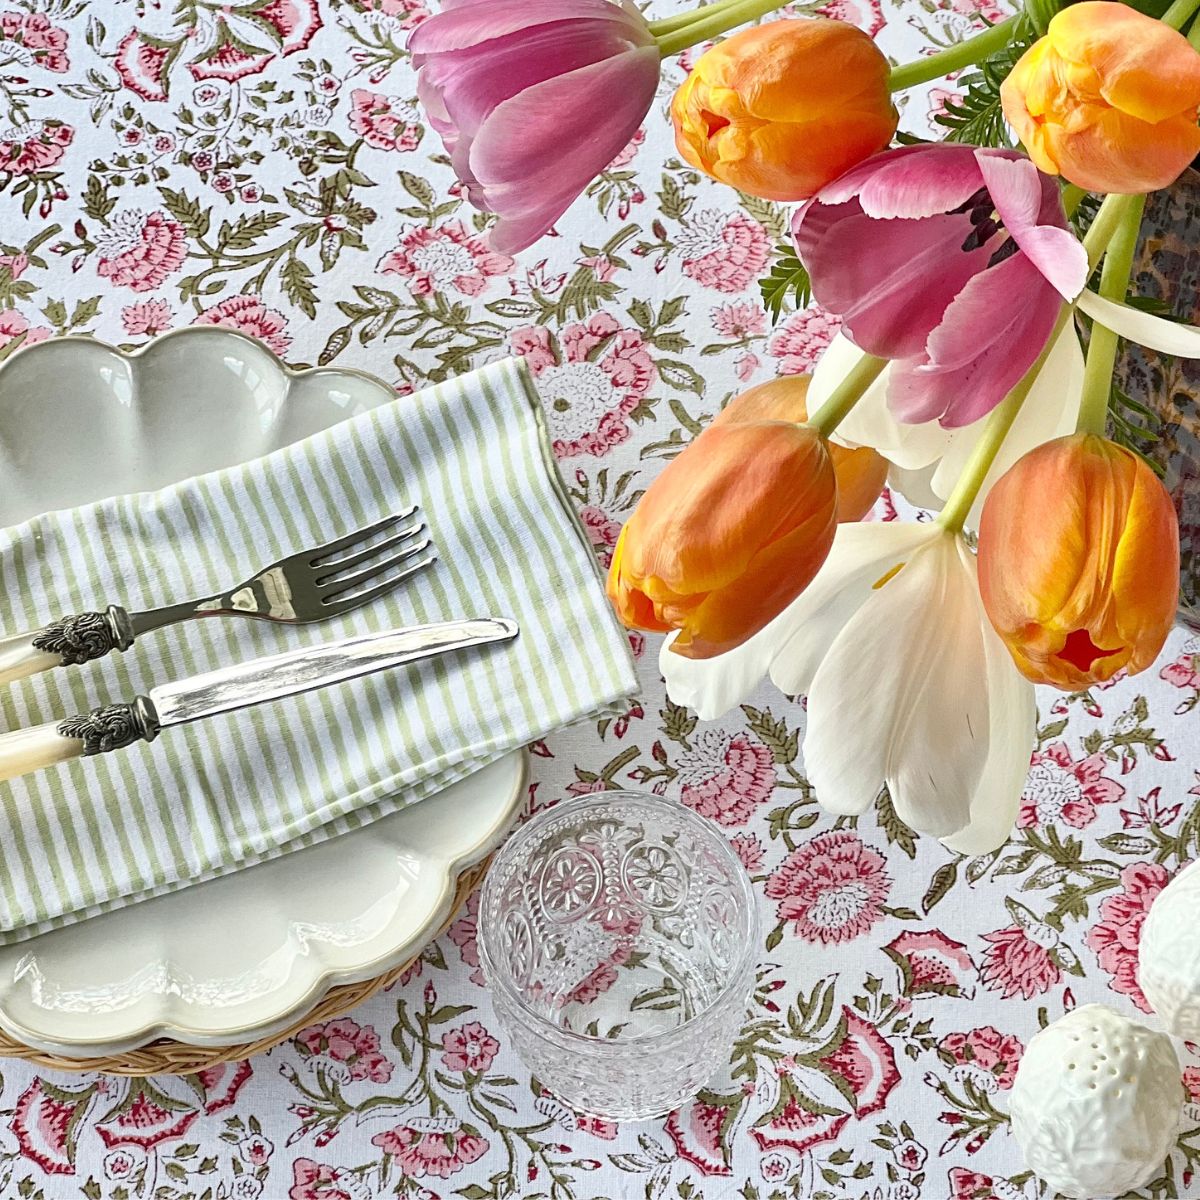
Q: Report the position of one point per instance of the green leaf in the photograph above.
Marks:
(298, 286)
(944, 878)
(788, 277)
(418, 188)
(97, 203)
(245, 231)
(187, 211)
(898, 834)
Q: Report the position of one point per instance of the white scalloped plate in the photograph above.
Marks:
(80, 420)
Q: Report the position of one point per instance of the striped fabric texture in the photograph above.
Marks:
(221, 794)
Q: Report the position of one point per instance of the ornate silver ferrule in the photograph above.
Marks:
(86, 636)
(114, 726)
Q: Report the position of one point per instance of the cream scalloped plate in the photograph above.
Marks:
(236, 958)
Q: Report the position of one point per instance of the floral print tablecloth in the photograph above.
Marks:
(261, 164)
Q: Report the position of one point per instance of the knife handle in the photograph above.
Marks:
(65, 642)
(112, 727)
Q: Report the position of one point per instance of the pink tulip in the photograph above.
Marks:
(533, 99)
(950, 260)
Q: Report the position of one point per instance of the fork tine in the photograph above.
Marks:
(341, 602)
(325, 570)
(338, 586)
(320, 553)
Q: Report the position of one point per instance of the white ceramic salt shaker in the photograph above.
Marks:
(1097, 1103)
(1169, 954)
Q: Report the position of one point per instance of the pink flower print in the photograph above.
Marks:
(1060, 789)
(1014, 963)
(723, 251)
(590, 380)
(1115, 937)
(933, 964)
(142, 66)
(986, 1056)
(749, 849)
(438, 1152)
(463, 933)
(626, 156)
(34, 146)
(13, 326)
(318, 1181)
(602, 531)
(16, 264)
(1184, 672)
(866, 14)
(146, 317)
(802, 339)
(139, 250)
(468, 1048)
(745, 365)
(1191, 1084)
(970, 1185)
(406, 14)
(29, 39)
(448, 256)
(910, 1156)
(249, 314)
(598, 980)
(348, 1042)
(726, 776)
(938, 99)
(255, 1149)
(739, 319)
(832, 888)
(377, 119)
(292, 24)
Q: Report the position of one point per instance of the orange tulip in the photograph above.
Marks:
(1079, 562)
(738, 524)
(1108, 99)
(782, 109)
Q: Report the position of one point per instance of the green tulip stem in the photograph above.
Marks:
(847, 394)
(1194, 34)
(954, 58)
(712, 21)
(1102, 348)
(1177, 15)
(1106, 223)
(684, 19)
(954, 514)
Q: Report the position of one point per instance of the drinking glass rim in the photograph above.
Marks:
(738, 971)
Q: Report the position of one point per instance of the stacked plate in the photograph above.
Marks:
(80, 421)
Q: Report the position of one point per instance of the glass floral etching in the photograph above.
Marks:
(616, 934)
(1165, 389)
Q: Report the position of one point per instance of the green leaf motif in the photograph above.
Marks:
(788, 277)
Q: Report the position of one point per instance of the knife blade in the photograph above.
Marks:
(274, 677)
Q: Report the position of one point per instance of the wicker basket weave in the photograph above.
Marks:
(167, 1057)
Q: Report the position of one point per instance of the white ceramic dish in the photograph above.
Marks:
(80, 420)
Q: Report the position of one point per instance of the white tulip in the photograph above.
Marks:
(908, 685)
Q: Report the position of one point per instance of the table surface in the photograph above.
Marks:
(897, 986)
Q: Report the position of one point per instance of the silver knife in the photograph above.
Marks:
(115, 726)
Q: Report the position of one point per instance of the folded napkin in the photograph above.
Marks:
(210, 798)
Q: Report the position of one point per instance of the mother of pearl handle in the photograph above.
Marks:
(65, 642)
(109, 728)
(19, 658)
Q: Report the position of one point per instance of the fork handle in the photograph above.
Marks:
(65, 642)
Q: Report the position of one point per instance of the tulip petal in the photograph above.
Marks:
(891, 281)
(1012, 737)
(988, 338)
(1017, 190)
(921, 726)
(912, 181)
(537, 151)
(1155, 333)
(790, 646)
(465, 25)
(870, 422)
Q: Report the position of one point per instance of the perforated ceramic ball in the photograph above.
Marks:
(1169, 954)
(1097, 1103)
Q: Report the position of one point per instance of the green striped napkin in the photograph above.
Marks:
(230, 791)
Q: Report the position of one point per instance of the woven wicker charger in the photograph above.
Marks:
(167, 1057)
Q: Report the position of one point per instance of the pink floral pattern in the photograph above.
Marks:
(1114, 938)
(265, 166)
(832, 889)
(445, 257)
(1060, 789)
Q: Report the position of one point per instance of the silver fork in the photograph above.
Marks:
(310, 585)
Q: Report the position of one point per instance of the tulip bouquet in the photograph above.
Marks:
(959, 270)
